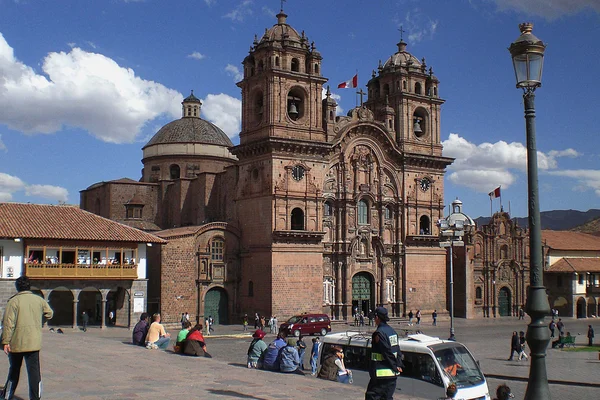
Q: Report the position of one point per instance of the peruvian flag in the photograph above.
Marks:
(494, 194)
(352, 83)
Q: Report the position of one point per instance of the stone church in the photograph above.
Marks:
(310, 212)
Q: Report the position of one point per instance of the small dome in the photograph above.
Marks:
(281, 31)
(192, 99)
(190, 130)
(401, 58)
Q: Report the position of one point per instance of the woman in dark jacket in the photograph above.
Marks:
(333, 367)
(194, 344)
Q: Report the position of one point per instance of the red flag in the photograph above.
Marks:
(494, 194)
(352, 83)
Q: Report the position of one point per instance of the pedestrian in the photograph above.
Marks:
(515, 345)
(418, 317)
(386, 359)
(207, 326)
(262, 322)
(590, 335)
(503, 393)
(561, 327)
(22, 337)
(256, 349)
(356, 319)
(111, 316)
(140, 331)
(245, 322)
(450, 392)
(361, 318)
(522, 346)
(410, 317)
(301, 350)
(271, 326)
(521, 313)
(85, 319)
(314, 356)
(275, 323)
(434, 317)
(211, 322)
(553, 311)
(182, 320)
(187, 316)
(552, 326)
(256, 321)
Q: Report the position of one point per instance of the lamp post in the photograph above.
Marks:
(527, 53)
(452, 230)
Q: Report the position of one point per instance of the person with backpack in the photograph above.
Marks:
(257, 349)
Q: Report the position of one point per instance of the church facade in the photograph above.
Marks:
(310, 211)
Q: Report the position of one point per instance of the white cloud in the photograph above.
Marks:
(234, 71)
(80, 89)
(586, 178)
(196, 55)
(71, 44)
(48, 192)
(2, 145)
(10, 184)
(224, 111)
(209, 2)
(487, 165)
(241, 11)
(418, 25)
(268, 11)
(549, 9)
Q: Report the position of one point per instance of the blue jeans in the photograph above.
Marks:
(313, 364)
(301, 356)
(163, 343)
(344, 378)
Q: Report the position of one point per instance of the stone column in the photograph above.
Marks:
(103, 323)
(75, 302)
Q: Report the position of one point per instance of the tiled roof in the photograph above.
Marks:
(38, 221)
(569, 240)
(177, 232)
(575, 265)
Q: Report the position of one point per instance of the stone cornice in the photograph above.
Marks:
(282, 145)
(298, 236)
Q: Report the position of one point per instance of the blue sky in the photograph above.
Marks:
(85, 84)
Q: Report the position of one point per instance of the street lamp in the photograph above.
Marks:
(527, 53)
(452, 230)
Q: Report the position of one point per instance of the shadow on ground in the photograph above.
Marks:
(231, 393)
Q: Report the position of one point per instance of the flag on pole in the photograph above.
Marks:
(494, 194)
(352, 83)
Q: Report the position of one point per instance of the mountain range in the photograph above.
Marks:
(562, 220)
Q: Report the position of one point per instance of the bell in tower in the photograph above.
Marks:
(417, 127)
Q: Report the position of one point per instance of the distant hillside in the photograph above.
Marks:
(559, 220)
(592, 227)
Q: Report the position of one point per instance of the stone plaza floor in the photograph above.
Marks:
(101, 364)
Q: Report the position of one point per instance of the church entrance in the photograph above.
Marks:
(363, 295)
(504, 302)
(215, 305)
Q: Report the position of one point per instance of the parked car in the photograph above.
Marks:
(307, 324)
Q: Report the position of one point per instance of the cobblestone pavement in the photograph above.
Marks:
(101, 364)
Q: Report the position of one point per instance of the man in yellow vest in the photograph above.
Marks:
(386, 359)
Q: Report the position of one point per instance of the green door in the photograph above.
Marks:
(504, 305)
(362, 293)
(215, 305)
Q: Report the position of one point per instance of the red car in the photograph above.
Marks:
(307, 324)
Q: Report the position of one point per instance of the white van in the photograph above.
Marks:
(430, 364)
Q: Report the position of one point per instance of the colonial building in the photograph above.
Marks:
(76, 260)
(497, 256)
(310, 211)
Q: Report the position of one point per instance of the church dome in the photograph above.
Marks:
(402, 58)
(282, 32)
(190, 130)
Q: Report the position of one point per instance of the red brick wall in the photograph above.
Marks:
(426, 274)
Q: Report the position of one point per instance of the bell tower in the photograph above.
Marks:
(282, 155)
(281, 88)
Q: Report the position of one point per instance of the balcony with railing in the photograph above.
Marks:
(81, 271)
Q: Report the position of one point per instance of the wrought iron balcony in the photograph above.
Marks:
(81, 271)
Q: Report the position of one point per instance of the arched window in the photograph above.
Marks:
(478, 294)
(217, 247)
(174, 171)
(297, 219)
(327, 209)
(250, 289)
(418, 88)
(389, 212)
(363, 212)
(295, 65)
(424, 228)
(504, 252)
(316, 68)
(404, 85)
(435, 91)
(277, 61)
